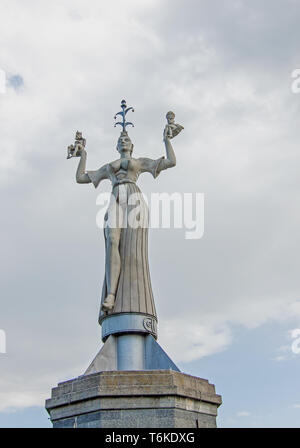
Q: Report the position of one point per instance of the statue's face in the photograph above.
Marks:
(170, 118)
(124, 144)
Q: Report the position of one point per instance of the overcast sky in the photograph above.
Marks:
(229, 298)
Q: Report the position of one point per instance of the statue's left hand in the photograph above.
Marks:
(172, 130)
(75, 151)
(176, 128)
(79, 149)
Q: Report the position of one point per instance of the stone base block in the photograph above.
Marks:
(134, 399)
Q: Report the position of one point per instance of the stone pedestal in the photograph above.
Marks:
(134, 399)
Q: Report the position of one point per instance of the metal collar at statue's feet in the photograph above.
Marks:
(128, 323)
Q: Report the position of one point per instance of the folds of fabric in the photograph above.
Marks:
(134, 292)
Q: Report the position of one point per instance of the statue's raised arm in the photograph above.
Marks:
(83, 176)
(156, 166)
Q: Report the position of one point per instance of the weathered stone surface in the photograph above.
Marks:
(106, 358)
(134, 399)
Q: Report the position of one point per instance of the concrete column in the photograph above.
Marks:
(131, 352)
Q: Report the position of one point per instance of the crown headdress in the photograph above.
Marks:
(123, 114)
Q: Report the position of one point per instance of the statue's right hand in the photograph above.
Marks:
(79, 151)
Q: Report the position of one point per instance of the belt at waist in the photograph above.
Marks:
(123, 181)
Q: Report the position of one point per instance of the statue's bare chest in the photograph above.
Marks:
(125, 168)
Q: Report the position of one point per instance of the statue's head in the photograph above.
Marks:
(78, 135)
(170, 117)
(124, 144)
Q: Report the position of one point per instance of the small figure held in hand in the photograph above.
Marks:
(75, 150)
(172, 129)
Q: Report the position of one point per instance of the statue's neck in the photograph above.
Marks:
(125, 156)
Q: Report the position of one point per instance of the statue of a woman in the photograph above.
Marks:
(127, 285)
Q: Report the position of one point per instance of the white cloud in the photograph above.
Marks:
(188, 339)
(243, 414)
(279, 358)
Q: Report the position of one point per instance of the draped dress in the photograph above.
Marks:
(134, 291)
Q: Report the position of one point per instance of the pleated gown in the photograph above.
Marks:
(134, 292)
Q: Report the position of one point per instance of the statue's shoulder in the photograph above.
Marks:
(141, 160)
(136, 162)
(115, 163)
